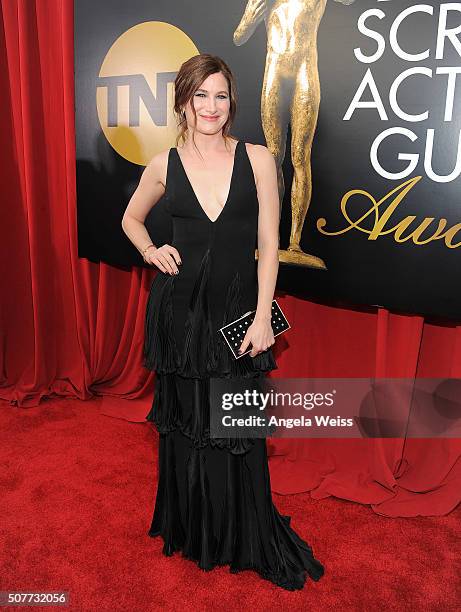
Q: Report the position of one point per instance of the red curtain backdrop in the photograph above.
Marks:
(73, 328)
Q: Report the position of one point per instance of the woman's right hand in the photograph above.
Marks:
(166, 258)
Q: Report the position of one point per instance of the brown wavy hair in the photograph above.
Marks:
(190, 76)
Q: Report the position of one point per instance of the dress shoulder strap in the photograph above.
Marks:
(170, 174)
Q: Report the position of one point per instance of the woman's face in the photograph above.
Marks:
(211, 102)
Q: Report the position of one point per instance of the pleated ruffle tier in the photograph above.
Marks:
(204, 353)
(247, 533)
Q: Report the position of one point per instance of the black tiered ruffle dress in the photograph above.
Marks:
(214, 498)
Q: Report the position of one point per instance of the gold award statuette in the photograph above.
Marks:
(290, 95)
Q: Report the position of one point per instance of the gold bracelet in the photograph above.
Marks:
(145, 249)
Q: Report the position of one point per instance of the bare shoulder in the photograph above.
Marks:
(261, 159)
(156, 169)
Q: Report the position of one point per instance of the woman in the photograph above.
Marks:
(213, 499)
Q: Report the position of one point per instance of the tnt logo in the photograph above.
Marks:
(135, 89)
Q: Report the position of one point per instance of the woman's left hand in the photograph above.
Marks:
(260, 335)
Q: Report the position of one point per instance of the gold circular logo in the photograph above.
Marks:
(135, 89)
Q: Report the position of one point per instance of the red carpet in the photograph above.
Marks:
(77, 498)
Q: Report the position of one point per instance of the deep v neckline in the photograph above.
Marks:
(194, 192)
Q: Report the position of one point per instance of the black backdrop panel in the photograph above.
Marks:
(403, 276)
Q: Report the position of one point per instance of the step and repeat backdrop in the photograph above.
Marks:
(358, 101)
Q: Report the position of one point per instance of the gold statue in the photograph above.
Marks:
(290, 94)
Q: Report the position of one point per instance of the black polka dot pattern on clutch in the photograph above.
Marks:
(234, 332)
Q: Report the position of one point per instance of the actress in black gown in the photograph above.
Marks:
(214, 500)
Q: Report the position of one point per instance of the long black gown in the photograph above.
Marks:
(213, 498)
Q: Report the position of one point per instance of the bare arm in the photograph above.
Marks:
(255, 11)
(260, 333)
(268, 229)
(148, 192)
